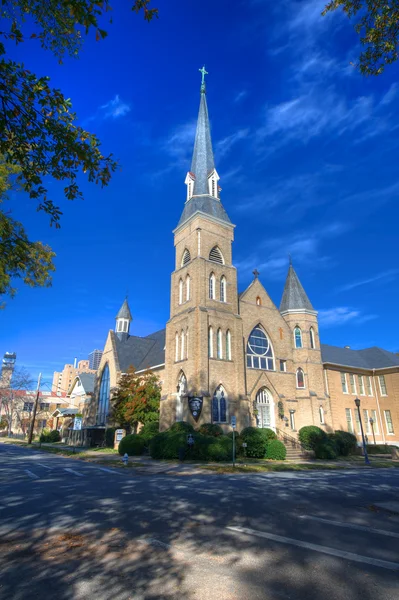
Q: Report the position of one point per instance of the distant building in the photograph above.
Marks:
(7, 368)
(95, 359)
(62, 380)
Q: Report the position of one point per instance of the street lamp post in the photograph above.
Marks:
(366, 458)
(372, 428)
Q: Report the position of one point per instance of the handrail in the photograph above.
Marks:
(290, 439)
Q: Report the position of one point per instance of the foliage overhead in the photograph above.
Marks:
(137, 399)
(377, 23)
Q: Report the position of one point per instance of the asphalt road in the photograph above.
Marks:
(71, 530)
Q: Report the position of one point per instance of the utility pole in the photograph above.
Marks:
(32, 425)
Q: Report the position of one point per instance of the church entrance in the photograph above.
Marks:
(265, 409)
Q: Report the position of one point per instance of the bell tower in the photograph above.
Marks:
(204, 333)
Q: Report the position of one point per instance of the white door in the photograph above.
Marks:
(265, 407)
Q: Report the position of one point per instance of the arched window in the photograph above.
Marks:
(182, 345)
(210, 342)
(103, 399)
(298, 337)
(311, 336)
(259, 350)
(228, 345)
(265, 409)
(216, 256)
(181, 291)
(186, 257)
(181, 391)
(259, 301)
(300, 378)
(219, 405)
(223, 289)
(219, 344)
(188, 282)
(177, 347)
(212, 283)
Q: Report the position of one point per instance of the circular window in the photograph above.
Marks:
(258, 342)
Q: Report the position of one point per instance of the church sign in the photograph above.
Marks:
(195, 405)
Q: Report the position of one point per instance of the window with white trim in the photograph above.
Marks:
(28, 406)
(125, 324)
(311, 338)
(366, 420)
(321, 415)
(357, 420)
(300, 378)
(292, 419)
(369, 386)
(219, 405)
(375, 421)
(223, 289)
(176, 347)
(349, 421)
(361, 385)
(188, 286)
(352, 383)
(212, 281)
(344, 383)
(298, 337)
(259, 350)
(219, 344)
(228, 345)
(181, 291)
(216, 256)
(383, 387)
(283, 366)
(186, 257)
(388, 421)
(182, 345)
(210, 342)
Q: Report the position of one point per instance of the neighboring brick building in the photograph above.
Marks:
(227, 354)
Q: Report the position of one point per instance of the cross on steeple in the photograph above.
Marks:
(203, 73)
(256, 273)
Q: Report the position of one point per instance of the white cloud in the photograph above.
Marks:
(390, 95)
(180, 142)
(386, 276)
(115, 108)
(224, 145)
(240, 96)
(333, 317)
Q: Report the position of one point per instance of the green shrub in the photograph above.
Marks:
(110, 437)
(169, 445)
(276, 450)
(344, 442)
(326, 450)
(255, 440)
(311, 436)
(132, 445)
(220, 449)
(211, 429)
(50, 437)
(268, 434)
(157, 444)
(181, 426)
(149, 431)
(379, 449)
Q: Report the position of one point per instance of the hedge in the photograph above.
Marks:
(276, 450)
(255, 440)
(311, 436)
(149, 430)
(379, 449)
(326, 450)
(50, 437)
(172, 445)
(211, 429)
(132, 445)
(181, 427)
(344, 442)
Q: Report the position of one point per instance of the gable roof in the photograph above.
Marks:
(369, 358)
(294, 296)
(87, 380)
(141, 352)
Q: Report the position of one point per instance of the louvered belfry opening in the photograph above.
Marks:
(216, 256)
(186, 257)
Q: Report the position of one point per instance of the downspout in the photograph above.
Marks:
(378, 408)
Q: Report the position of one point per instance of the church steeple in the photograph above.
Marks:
(123, 320)
(294, 296)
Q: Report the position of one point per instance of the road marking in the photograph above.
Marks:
(352, 526)
(113, 471)
(45, 466)
(376, 562)
(74, 472)
(32, 475)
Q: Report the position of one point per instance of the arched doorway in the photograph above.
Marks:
(264, 405)
(181, 392)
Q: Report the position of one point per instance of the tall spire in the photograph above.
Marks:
(123, 320)
(202, 164)
(294, 296)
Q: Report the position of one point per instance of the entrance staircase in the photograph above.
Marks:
(295, 450)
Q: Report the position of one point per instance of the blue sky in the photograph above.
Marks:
(306, 149)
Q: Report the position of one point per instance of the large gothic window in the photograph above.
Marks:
(103, 399)
(259, 350)
(298, 337)
(219, 405)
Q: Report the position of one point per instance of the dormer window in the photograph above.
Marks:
(190, 184)
(213, 187)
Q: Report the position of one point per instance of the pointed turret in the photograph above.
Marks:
(202, 180)
(123, 320)
(294, 296)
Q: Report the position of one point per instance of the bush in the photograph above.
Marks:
(379, 449)
(268, 434)
(344, 442)
(220, 449)
(276, 450)
(181, 427)
(149, 431)
(169, 445)
(255, 440)
(132, 445)
(211, 429)
(326, 450)
(311, 436)
(50, 437)
(110, 437)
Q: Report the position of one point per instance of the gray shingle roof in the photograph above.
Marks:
(294, 296)
(205, 204)
(124, 311)
(87, 380)
(141, 352)
(202, 164)
(369, 358)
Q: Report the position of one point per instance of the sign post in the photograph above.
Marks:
(234, 424)
(119, 434)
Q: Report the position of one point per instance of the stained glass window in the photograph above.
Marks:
(259, 351)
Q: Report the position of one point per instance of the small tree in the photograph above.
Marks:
(137, 399)
(12, 400)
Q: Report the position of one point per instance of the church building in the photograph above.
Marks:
(227, 354)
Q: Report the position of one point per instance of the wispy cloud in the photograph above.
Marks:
(340, 315)
(240, 96)
(390, 95)
(385, 277)
(115, 108)
(223, 146)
